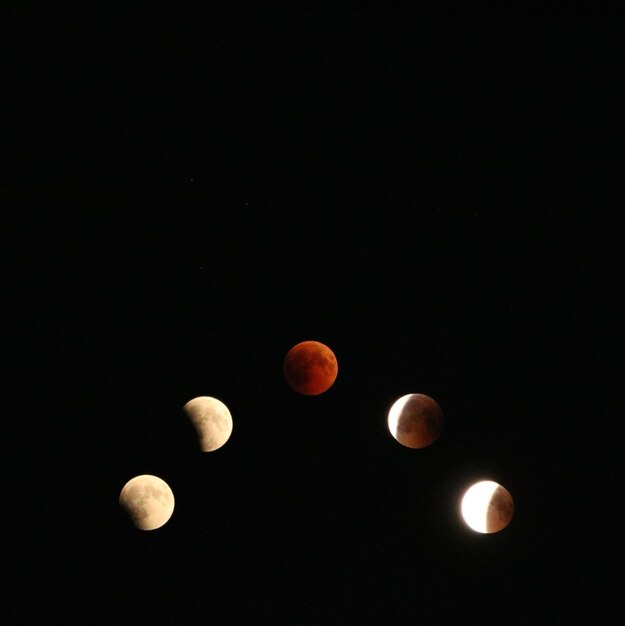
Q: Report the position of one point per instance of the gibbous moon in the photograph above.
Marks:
(415, 420)
(487, 507)
(310, 368)
(148, 500)
(211, 420)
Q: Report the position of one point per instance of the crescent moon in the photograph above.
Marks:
(212, 421)
(148, 500)
(487, 507)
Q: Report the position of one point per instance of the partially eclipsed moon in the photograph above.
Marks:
(148, 500)
(415, 420)
(310, 368)
(212, 421)
(487, 507)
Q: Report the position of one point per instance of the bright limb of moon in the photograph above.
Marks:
(148, 500)
(487, 507)
(212, 421)
(395, 412)
(475, 504)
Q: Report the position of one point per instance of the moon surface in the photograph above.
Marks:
(310, 368)
(148, 500)
(212, 421)
(415, 420)
(487, 507)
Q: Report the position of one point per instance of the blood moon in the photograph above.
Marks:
(310, 368)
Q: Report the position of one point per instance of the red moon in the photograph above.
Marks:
(310, 368)
(415, 420)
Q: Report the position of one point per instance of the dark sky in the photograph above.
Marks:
(195, 190)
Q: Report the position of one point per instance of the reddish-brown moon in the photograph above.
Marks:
(415, 420)
(500, 510)
(310, 368)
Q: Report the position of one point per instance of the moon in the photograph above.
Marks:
(148, 500)
(487, 507)
(415, 420)
(212, 421)
(310, 368)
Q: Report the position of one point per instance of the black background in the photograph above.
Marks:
(194, 191)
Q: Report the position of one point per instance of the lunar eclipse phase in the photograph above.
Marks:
(487, 507)
(148, 500)
(212, 421)
(415, 420)
(310, 368)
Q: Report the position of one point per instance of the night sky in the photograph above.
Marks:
(194, 191)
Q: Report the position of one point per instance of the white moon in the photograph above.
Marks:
(148, 500)
(487, 507)
(212, 421)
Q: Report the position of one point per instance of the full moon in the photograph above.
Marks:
(310, 368)
(415, 420)
(212, 421)
(148, 501)
(487, 507)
